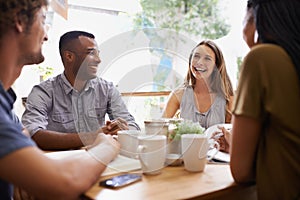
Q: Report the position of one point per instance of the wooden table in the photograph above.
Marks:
(215, 182)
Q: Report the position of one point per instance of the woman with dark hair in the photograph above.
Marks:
(265, 139)
(206, 95)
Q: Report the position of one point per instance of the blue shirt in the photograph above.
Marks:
(55, 105)
(11, 136)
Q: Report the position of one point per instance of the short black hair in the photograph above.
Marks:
(70, 36)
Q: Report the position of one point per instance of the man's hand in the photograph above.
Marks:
(112, 127)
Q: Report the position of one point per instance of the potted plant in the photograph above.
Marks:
(185, 127)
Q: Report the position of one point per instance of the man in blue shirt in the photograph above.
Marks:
(75, 101)
(22, 33)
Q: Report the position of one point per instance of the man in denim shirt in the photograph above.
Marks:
(75, 101)
(22, 33)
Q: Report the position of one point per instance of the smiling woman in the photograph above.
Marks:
(206, 96)
(203, 62)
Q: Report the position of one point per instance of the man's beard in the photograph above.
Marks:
(34, 59)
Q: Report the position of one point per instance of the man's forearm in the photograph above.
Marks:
(52, 140)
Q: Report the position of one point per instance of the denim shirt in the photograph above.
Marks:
(55, 105)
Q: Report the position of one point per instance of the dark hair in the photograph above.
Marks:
(249, 4)
(277, 21)
(68, 37)
(24, 9)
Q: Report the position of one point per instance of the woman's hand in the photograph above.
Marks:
(223, 138)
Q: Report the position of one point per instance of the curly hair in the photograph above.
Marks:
(24, 9)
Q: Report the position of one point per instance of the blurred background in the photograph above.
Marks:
(144, 44)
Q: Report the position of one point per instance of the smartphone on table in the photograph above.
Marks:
(120, 180)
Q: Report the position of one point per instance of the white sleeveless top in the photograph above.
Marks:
(215, 114)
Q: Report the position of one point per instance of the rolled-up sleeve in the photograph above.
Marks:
(36, 114)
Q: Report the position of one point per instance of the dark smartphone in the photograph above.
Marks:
(120, 181)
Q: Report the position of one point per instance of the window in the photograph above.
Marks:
(145, 65)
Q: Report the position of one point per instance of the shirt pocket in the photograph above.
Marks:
(97, 113)
(63, 122)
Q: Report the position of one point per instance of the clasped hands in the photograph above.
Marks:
(112, 127)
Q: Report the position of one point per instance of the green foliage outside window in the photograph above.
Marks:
(239, 61)
(198, 18)
(192, 17)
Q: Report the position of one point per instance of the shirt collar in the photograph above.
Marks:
(69, 88)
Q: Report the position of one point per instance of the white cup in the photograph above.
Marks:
(194, 149)
(152, 153)
(129, 142)
(156, 127)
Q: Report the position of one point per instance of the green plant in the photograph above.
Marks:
(186, 127)
(45, 72)
(191, 17)
(239, 61)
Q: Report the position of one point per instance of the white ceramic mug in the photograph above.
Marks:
(194, 149)
(152, 153)
(156, 127)
(129, 142)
